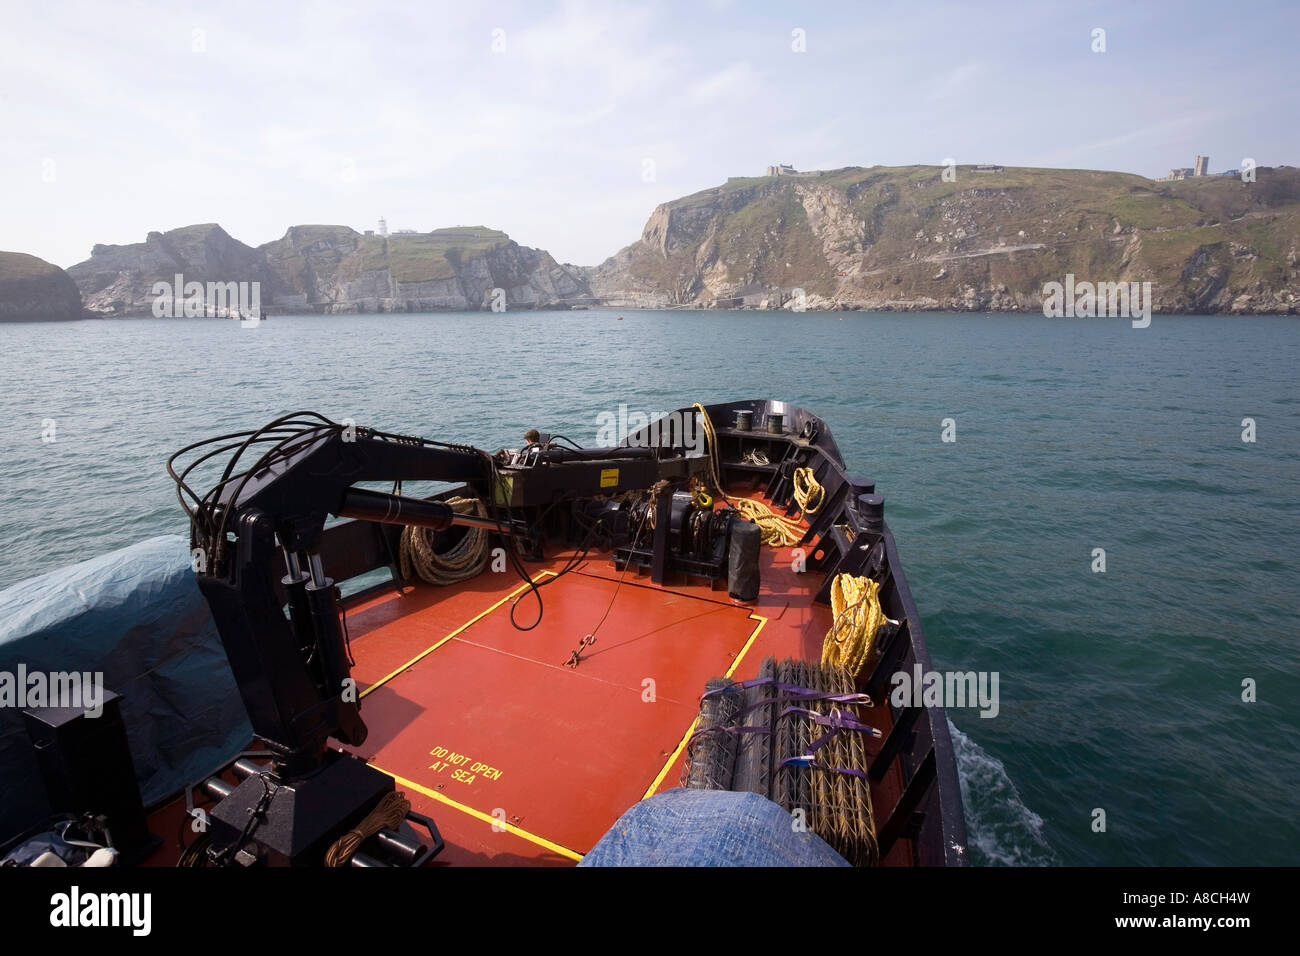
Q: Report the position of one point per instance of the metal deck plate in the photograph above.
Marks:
(490, 718)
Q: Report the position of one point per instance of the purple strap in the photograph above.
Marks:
(837, 720)
(807, 760)
(831, 698)
(796, 690)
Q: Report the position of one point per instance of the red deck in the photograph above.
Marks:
(521, 759)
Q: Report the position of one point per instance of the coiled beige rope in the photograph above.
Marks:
(388, 814)
(464, 561)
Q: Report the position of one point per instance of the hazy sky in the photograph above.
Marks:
(124, 117)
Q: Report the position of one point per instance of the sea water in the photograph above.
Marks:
(1012, 451)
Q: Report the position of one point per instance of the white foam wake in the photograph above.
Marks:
(1000, 829)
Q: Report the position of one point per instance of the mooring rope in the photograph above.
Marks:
(460, 563)
(807, 491)
(855, 603)
(388, 814)
(778, 530)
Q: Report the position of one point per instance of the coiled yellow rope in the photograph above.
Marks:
(851, 639)
(807, 491)
(778, 530)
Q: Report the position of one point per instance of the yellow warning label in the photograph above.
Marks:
(463, 767)
(609, 478)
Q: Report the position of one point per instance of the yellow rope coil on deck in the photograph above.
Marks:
(778, 530)
(388, 814)
(464, 561)
(807, 491)
(851, 639)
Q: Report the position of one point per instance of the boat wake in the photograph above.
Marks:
(1000, 829)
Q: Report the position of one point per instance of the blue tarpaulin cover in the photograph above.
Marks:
(137, 616)
(709, 828)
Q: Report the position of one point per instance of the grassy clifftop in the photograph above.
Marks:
(336, 269)
(33, 289)
(427, 256)
(907, 237)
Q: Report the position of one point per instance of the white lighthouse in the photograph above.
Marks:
(383, 227)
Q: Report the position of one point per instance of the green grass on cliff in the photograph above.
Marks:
(427, 256)
(925, 236)
(19, 265)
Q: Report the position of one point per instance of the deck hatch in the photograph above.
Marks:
(491, 718)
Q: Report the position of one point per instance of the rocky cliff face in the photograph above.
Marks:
(331, 269)
(120, 280)
(33, 289)
(901, 238)
(335, 269)
(906, 239)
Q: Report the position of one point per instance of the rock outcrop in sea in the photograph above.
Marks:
(33, 289)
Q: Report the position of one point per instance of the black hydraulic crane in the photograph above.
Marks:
(260, 524)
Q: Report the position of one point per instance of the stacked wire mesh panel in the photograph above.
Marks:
(794, 735)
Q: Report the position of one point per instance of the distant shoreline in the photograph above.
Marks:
(975, 313)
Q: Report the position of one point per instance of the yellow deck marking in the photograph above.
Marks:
(691, 729)
(480, 815)
(429, 650)
(508, 827)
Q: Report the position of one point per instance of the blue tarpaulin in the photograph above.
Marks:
(137, 616)
(709, 828)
